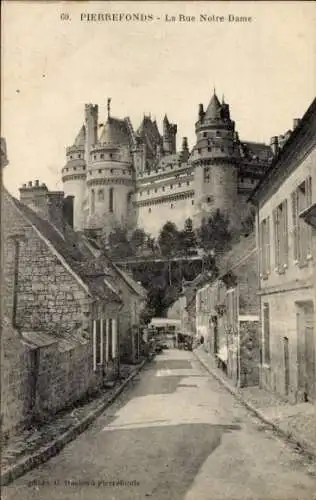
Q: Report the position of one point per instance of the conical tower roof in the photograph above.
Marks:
(81, 137)
(214, 107)
(114, 132)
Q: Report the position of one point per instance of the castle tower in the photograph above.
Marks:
(110, 177)
(74, 177)
(169, 137)
(214, 158)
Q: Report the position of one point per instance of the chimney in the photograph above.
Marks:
(274, 143)
(34, 196)
(68, 210)
(55, 213)
(296, 122)
(4, 156)
(201, 112)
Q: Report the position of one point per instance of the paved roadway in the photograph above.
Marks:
(174, 434)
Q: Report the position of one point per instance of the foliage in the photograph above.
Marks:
(214, 233)
(168, 239)
(187, 237)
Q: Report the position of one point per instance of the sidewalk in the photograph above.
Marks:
(296, 423)
(33, 447)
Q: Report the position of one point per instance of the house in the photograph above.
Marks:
(133, 296)
(59, 324)
(227, 313)
(285, 204)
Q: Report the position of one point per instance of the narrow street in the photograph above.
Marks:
(175, 433)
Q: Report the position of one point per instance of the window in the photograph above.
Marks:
(70, 157)
(97, 343)
(110, 339)
(204, 134)
(188, 183)
(156, 190)
(179, 184)
(209, 149)
(111, 199)
(149, 210)
(266, 333)
(192, 202)
(100, 195)
(148, 191)
(163, 188)
(208, 199)
(75, 168)
(92, 207)
(171, 186)
(100, 171)
(101, 156)
(281, 247)
(112, 170)
(264, 247)
(171, 206)
(94, 157)
(302, 232)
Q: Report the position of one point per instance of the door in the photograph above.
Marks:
(286, 366)
(309, 352)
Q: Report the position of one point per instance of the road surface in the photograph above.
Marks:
(174, 434)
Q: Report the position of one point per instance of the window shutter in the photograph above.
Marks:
(261, 247)
(285, 233)
(267, 238)
(266, 332)
(295, 225)
(276, 238)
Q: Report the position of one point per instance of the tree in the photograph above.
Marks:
(138, 240)
(168, 239)
(187, 238)
(214, 233)
(118, 243)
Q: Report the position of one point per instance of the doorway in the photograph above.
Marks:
(306, 350)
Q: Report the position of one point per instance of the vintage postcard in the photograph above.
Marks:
(158, 243)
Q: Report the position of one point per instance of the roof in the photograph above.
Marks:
(4, 156)
(214, 108)
(306, 127)
(39, 339)
(257, 151)
(67, 246)
(81, 137)
(94, 250)
(115, 131)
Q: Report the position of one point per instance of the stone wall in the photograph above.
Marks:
(15, 381)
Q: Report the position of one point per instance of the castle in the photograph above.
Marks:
(138, 178)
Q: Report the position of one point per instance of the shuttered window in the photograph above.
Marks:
(264, 246)
(302, 232)
(266, 333)
(280, 220)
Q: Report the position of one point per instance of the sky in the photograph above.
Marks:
(51, 67)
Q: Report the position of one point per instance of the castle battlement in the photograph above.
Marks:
(117, 173)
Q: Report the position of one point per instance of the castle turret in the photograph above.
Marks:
(110, 177)
(169, 136)
(215, 161)
(91, 126)
(74, 176)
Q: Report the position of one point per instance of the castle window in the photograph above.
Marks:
(83, 168)
(199, 151)
(100, 195)
(192, 202)
(208, 199)
(179, 184)
(75, 168)
(79, 155)
(218, 134)
(204, 134)
(171, 206)
(111, 199)
(94, 157)
(124, 172)
(70, 157)
(188, 183)
(100, 171)
(92, 206)
(209, 149)
(111, 155)
(112, 170)
(67, 169)
(101, 156)
(149, 210)
(171, 186)
(156, 190)
(163, 188)
(148, 191)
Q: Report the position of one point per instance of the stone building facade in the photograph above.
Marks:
(287, 265)
(227, 313)
(59, 329)
(138, 178)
